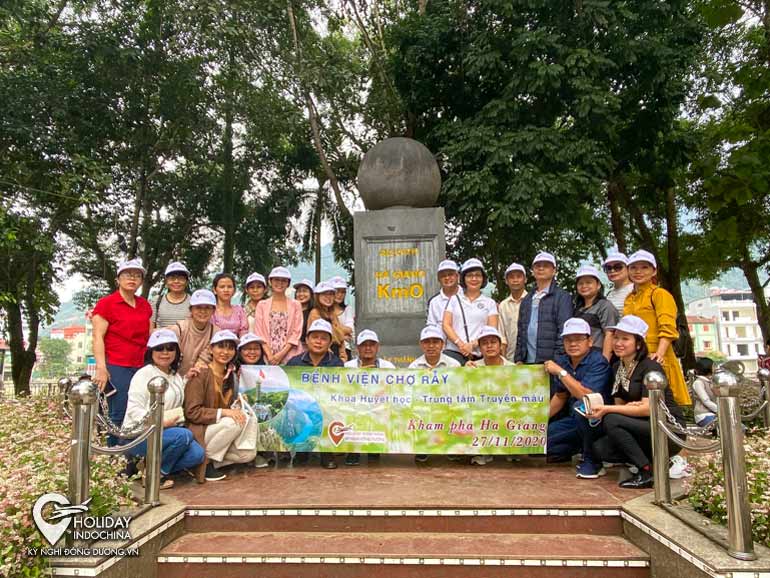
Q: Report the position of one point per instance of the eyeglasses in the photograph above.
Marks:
(174, 277)
(615, 267)
(130, 275)
(165, 347)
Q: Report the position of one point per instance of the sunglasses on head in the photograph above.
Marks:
(165, 347)
(614, 267)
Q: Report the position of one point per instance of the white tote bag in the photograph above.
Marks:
(247, 439)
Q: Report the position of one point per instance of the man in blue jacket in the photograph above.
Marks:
(542, 315)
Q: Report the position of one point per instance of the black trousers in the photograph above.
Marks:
(628, 439)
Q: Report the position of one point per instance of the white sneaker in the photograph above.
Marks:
(679, 468)
(481, 460)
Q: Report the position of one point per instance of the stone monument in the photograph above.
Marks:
(399, 242)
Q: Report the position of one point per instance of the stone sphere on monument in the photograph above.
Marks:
(399, 172)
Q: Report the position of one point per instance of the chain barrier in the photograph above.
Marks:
(703, 432)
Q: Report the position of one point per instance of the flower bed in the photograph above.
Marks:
(707, 491)
(34, 458)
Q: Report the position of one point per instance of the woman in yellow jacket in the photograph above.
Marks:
(657, 308)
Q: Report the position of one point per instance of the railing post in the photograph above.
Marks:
(740, 544)
(764, 379)
(157, 387)
(82, 398)
(656, 384)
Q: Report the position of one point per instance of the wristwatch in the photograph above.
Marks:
(562, 374)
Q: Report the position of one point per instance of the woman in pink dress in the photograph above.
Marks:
(279, 319)
(228, 316)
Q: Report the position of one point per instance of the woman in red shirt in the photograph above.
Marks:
(121, 323)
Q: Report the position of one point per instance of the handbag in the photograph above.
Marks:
(247, 439)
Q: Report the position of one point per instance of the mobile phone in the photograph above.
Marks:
(109, 389)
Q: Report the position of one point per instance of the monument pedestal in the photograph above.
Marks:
(396, 253)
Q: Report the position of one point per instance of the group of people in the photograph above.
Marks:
(589, 343)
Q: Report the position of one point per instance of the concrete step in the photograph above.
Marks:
(397, 555)
(597, 521)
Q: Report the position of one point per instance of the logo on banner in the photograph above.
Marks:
(337, 431)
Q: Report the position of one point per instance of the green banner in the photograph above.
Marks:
(485, 410)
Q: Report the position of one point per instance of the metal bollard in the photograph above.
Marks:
(82, 398)
(656, 384)
(157, 387)
(764, 378)
(740, 543)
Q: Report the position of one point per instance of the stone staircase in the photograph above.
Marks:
(447, 543)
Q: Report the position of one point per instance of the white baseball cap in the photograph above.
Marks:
(472, 263)
(320, 325)
(203, 297)
(224, 335)
(280, 273)
(161, 336)
(367, 335)
(323, 287)
(338, 283)
(616, 258)
(576, 326)
(515, 267)
(131, 264)
(247, 338)
(176, 267)
(489, 331)
(432, 332)
(632, 324)
(306, 282)
(255, 278)
(545, 257)
(588, 271)
(643, 257)
(447, 265)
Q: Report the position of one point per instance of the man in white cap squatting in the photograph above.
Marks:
(578, 372)
(318, 354)
(432, 344)
(491, 346)
(449, 278)
(508, 310)
(368, 348)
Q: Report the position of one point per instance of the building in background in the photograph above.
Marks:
(739, 334)
(80, 338)
(705, 336)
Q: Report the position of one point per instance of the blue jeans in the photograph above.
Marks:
(180, 451)
(563, 437)
(588, 435)
(120, 377)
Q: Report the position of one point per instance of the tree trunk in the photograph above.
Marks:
(751, 272)
(22, 360)
(616, 218)
(313, 118)
(674, 276)
(318, 223)
(228, 189)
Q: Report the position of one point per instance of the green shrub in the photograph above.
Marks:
(706, 486)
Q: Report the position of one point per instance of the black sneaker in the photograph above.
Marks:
(352, 460)
(213, 474)
(421, 458)
(639, 481)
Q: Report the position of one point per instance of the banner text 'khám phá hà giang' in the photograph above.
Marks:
(485, 410)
